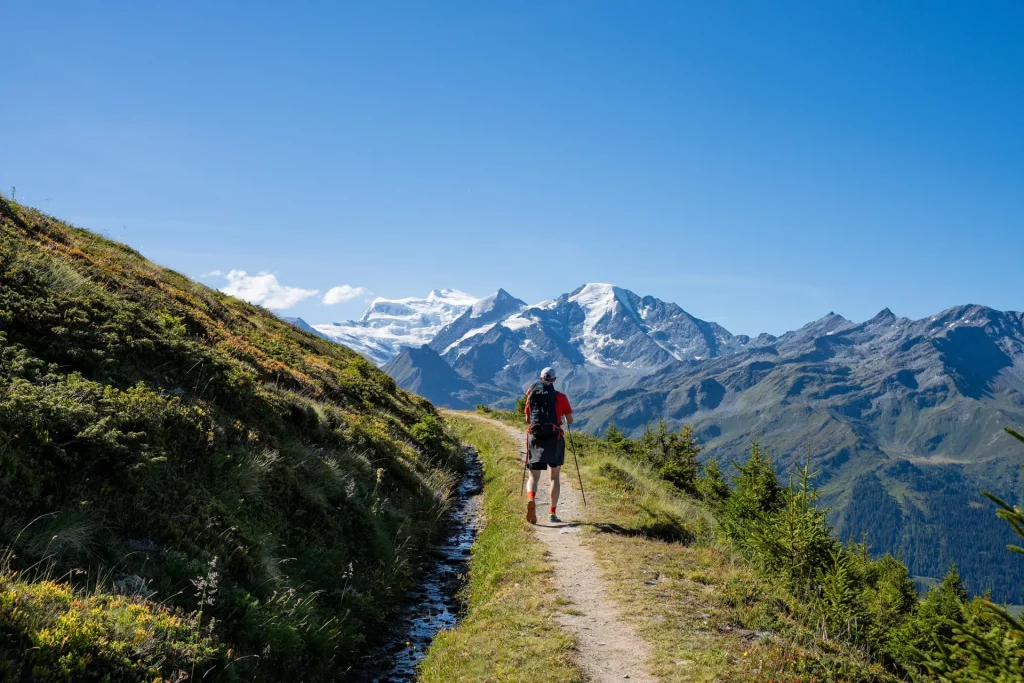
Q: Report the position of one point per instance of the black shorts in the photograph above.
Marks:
(546, 452)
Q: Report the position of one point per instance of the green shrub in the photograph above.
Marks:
(756, 493)
(430, 434)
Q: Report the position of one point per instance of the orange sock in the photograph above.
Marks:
(530, 495)
(553, 509)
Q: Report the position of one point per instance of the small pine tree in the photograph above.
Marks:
(712, 485)
(521, 405)
(890, 598)
(756, 493)
(836, 598)
(932, 625)
(649, 440)
(942, 606)
(796, 541)
(673, 455)
(613, 436)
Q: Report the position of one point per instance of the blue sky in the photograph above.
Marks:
(761, 164)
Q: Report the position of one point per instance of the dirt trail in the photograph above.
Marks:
(609, 648)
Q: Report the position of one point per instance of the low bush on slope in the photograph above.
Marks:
(74, 637)
(180, 448)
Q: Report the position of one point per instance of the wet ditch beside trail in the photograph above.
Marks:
(433, 605)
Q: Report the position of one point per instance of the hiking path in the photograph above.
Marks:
(609, 648)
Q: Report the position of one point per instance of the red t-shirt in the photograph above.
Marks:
(562, 407)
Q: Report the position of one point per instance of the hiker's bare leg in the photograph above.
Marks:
(555, 485)
(531, 493)
(531, 483)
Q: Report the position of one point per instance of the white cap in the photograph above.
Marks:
(548, 374)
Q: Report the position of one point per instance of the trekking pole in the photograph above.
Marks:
(575, 460)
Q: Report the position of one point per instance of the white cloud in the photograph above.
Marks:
(214, 273)
(264, 290)
(343, 293)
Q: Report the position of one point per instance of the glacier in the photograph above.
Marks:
(390, 324)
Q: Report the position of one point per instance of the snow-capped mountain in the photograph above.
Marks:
(390, 324)
(599, 338)
(478, 319)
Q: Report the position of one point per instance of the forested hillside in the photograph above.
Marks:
(187, 483)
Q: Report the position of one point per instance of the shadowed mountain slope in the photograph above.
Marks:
(424, 372)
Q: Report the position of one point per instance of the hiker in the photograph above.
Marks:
(545, 409)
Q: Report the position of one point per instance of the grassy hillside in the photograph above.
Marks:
(187, 482)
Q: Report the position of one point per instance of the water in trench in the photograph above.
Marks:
(433, 604)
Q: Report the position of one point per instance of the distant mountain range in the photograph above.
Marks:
(903, 418)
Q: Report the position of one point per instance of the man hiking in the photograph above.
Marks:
(545, 409)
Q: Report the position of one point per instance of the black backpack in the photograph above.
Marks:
(543, 416)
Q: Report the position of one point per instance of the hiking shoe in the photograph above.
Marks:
(531, 512)
(553, 518)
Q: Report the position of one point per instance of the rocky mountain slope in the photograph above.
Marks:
(422, 371)
(478, 319)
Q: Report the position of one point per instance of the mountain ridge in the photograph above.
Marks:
(476, 319)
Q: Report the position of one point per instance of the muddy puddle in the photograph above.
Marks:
(433, 605)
